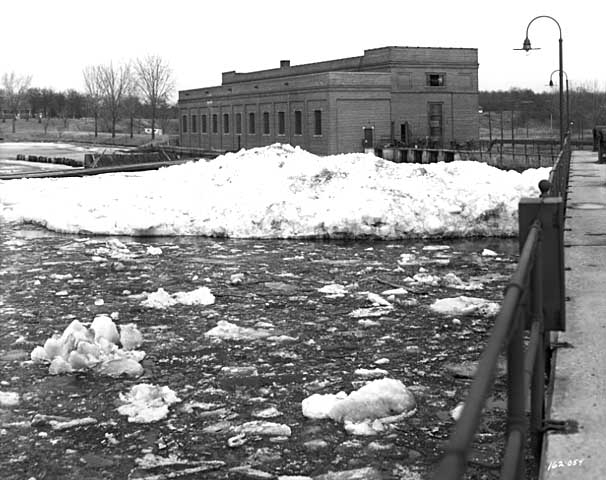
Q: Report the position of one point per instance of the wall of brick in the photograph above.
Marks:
(384, 88)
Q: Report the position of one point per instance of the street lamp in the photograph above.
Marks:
(527, 47)
(567, 97)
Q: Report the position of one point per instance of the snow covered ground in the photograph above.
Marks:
(280, 192)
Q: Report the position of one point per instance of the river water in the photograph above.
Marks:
(48, 279)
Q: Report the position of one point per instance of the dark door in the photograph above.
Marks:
(368, 137)
(435, 122)
(404, 133)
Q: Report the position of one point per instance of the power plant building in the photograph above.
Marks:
(402, 95)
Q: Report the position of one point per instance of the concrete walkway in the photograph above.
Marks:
(579, 389)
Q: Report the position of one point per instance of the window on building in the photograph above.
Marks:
(215, 123)
(226, 123)
(238, 123)
(436, 80)
(194, 124)
(203, 125)
(251, 123)
(184, 124)
(317, 122)
(265, 123)
(298, 122)
(281, 123)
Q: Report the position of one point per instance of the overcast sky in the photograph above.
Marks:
(53, 40)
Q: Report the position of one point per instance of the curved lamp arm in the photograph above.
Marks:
(526, 46)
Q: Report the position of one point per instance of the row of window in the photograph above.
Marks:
(251, 123)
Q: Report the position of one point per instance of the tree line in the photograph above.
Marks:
(141, 87)
(586, 101)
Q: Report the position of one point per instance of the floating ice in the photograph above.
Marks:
(465, 306)
(81, 348)
(162, 299)
(366, 410)
(262, 427)
(146, 403)
(371, 373)
(229, 331)
(334, 289)
(9, 399)
(370, 312)
(453, 281)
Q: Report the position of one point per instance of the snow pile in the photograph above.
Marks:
(281, 192)
(162, 299)
(465, 306)
(365, 411)
(96, 348)
(146, 403)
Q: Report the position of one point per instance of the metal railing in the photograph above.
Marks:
(534, 301)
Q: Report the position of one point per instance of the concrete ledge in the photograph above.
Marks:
(579, 383)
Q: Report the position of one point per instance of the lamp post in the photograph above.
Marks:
(527, 47)
(567, 97)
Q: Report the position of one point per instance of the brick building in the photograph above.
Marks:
(403, 94)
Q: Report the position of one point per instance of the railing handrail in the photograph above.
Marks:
(525, 370)
(453, 464)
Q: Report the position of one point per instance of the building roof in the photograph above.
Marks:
(374, 60)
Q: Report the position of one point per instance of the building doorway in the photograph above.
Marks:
(435, 123)
(368, 142)
(404, 133)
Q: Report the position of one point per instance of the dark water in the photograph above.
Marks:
(49, 279)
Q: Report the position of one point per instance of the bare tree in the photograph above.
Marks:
(155, 82)
(114, 85)
(15, 92)
(132, 103)
(92, 85)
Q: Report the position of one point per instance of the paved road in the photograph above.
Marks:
(580, 375)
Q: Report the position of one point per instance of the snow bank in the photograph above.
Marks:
(280, 192)
(365, 411)
(96, 348)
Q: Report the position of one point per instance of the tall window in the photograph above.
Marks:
(194, 124)
(298, 122)
(184, 124)
(265, 123)
(281, 123)
(238, 123)
(215, 123)
(251, 123)
(203, 125)
(317, 122)
(435, 80)
(226, 123)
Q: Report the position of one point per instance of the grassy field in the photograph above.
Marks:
(75, 131)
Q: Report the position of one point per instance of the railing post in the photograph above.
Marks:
(516, 398)
(550, 212)
(537, 387)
